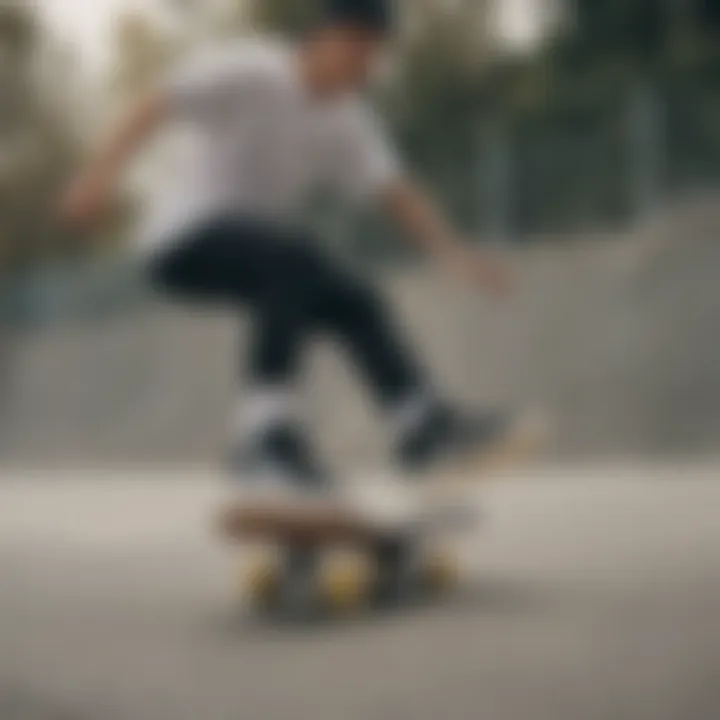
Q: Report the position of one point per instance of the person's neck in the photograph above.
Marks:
(311, 75)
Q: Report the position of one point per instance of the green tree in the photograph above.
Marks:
(141, 52)
(37, 146)
(284, 15)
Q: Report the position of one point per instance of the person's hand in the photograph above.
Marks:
(85, 201)
(481, 269)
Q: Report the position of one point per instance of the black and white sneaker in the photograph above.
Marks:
(447, 439)
(278, 469)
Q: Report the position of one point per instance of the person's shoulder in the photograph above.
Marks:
(261, 57)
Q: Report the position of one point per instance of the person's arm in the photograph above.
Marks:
(420, 218)
(90, 191)
(370, 168)
(197, 90)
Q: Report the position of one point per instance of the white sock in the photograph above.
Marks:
(263, 408)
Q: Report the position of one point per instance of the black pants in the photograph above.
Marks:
(294, 292)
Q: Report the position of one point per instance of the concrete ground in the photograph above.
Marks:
(594, 594)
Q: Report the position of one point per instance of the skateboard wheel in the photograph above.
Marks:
(441, 573)
(260, 583)
(346, 583)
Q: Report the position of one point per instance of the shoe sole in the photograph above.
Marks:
(299, 520)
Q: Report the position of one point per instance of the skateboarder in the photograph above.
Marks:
(273, 121)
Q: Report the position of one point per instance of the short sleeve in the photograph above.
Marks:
(210, 80)
(369, 163)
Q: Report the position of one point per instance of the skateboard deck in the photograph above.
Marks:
(304, 562)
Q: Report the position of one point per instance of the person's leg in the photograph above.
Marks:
(247, 264)
(294, 290)
(427, 429)
(359, 317)
(282, 325)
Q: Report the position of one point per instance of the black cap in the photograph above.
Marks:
(376, 15)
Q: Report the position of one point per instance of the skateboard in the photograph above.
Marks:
(339, 563)
(300, 564)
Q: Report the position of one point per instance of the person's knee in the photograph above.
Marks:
(357, 307)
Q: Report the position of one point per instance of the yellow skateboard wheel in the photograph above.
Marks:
(442, 573)
(346, 583)
(260, 582)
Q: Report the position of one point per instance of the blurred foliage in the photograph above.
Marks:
(561, 121)
(283, 16)
(141, 52)
(604, 49)
(37, 146)
(540, 140)
(18, 29)
(573, 102)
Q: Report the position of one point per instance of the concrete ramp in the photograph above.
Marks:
(616, 336)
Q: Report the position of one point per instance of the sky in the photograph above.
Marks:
(87, 24)
(84, 22)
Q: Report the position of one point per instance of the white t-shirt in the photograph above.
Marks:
(263, 143)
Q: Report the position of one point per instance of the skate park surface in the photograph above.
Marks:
(592, 593)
